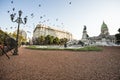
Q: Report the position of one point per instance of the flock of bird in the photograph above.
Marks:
(32, 15)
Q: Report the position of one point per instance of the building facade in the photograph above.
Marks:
(43, 30)
(104, 38)
(22, 33)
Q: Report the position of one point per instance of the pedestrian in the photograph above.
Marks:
(65, 45)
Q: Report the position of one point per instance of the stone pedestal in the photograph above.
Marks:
(84, 36)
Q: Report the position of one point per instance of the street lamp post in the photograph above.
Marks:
(19, 21)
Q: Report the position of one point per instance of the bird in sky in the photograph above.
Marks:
(70, 2)
(39, 5)
(8, 11)
(32, 15)
(11, 2)
(41, 17)
(13, 9)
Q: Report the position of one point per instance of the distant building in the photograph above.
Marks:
(23, 33)
(43, 30)
(103, 39)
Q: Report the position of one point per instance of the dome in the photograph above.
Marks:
(104, 29)
(104, 26)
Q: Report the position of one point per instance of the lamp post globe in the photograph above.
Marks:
(20, 13)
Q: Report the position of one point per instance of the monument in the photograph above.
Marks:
(104, 38)
(85, 35)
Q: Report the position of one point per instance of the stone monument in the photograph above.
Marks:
(85, 35)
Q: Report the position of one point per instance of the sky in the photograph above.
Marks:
(68, 15)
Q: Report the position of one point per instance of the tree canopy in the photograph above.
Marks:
(49, 40)
(117, 36)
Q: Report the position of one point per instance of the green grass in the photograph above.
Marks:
(91, 48)
(88, 48)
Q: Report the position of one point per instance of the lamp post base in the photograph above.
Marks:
(15, 52)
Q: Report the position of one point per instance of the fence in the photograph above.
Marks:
(7, 43)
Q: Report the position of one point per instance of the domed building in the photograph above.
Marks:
(103, 39)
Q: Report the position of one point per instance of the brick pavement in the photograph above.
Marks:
(61, 65)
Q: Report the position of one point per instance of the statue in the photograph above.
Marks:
(84, 28)
(85, 35)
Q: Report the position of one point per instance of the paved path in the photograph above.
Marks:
(61, 65)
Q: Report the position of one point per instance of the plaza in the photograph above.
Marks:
(59, 40)
(61, 65)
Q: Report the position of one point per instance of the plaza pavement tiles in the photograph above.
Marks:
(61, 65)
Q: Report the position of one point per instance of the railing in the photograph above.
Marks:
(6, 43)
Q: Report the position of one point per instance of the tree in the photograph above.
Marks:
(51, 39)
(47, 39)
(41, 40)
(5, 39)
(56, 40)
(117, 36)
(119, 30)
(20, 39)
(63, 40)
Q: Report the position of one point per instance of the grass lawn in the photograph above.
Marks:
(87, 48)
